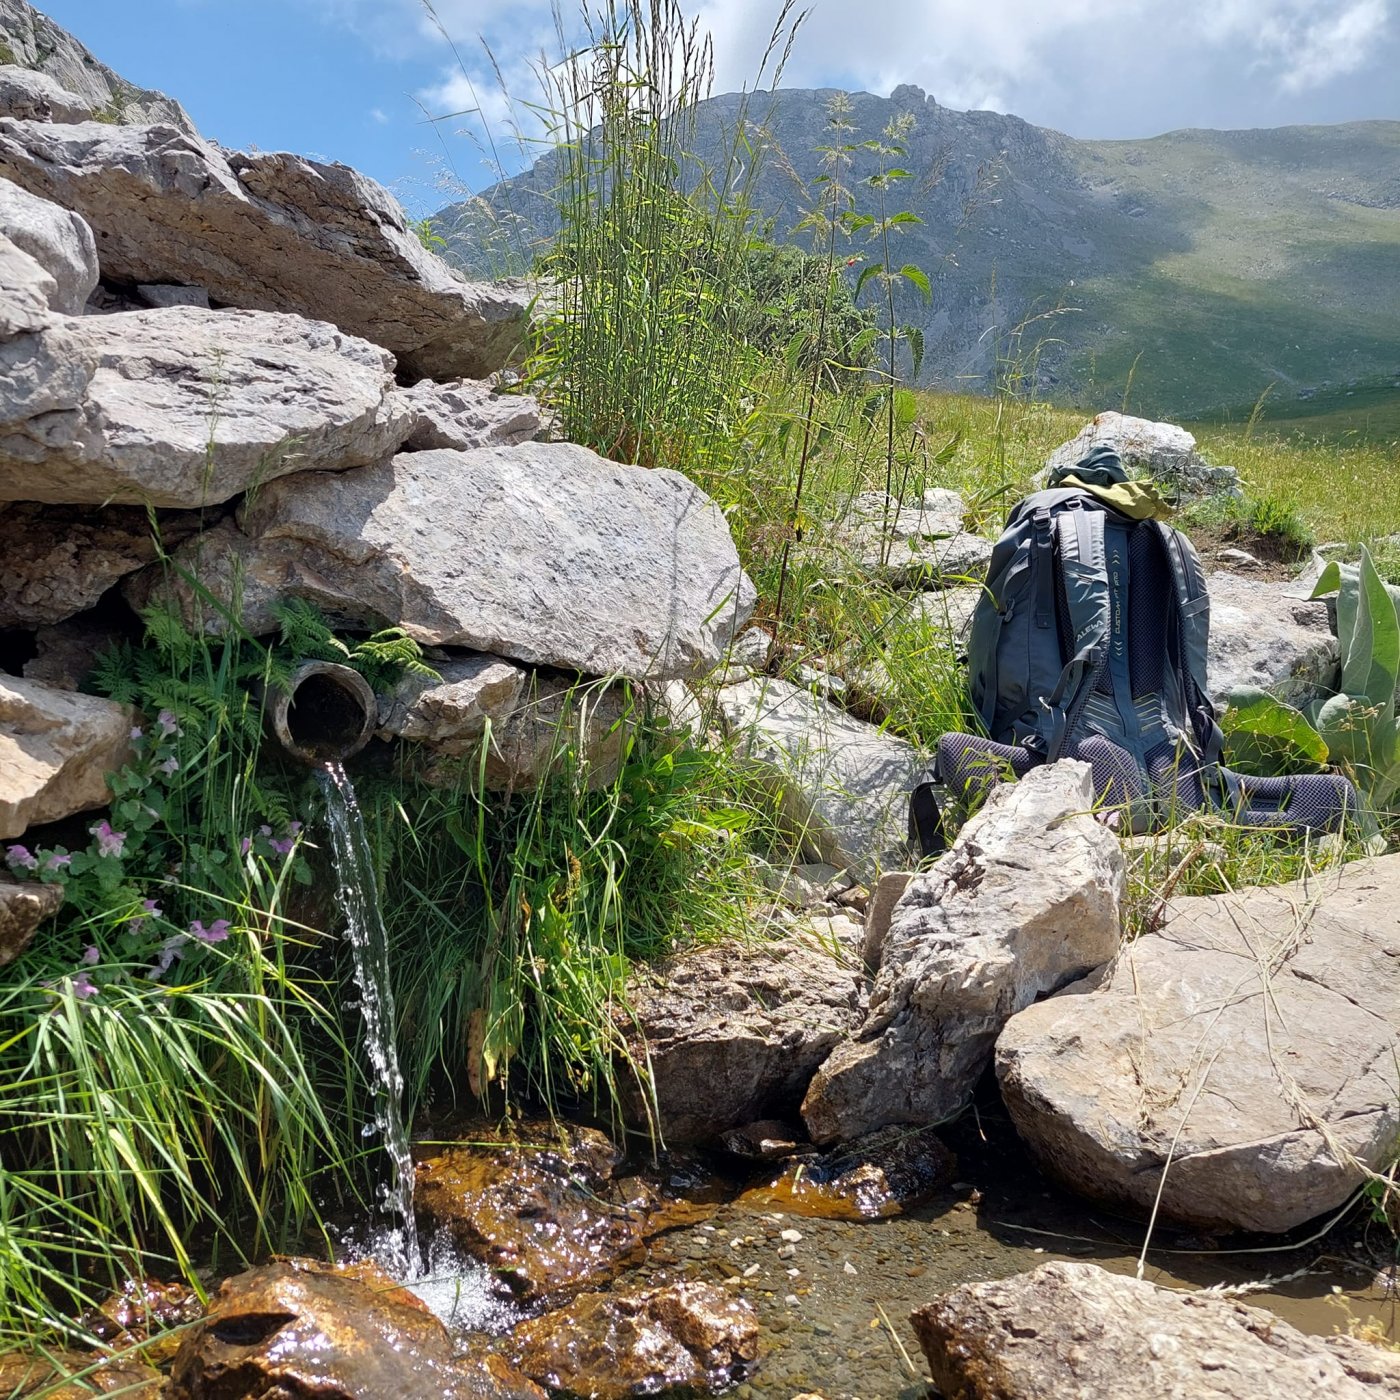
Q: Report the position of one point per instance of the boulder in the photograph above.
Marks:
(914, 545)
(888, 891)
(186, 408)
(58, 240)
(843, 784)
(267, 231)
(691, 1337)
(1250, 1045)
(543, 1212)
(1162, 451)
(734, 1031)
(56, 749)
(22, 909)
(1026, 900)
(56, 561)
(1077, 1330)
(32, 96)
(66, 652)
(302, 1330)
(1260, 635)
(78, 85)
(26, 293)
(468, 413)
(544, 553)
(452, 709)
(948, 610)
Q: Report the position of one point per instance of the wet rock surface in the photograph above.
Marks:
(843, 785)
(610, 1345)
(1251, 1043)
(1075, 1329)
(544, 1213)
(282, 1331)
(1027, 899)
(734, 1032)
(56, 749)
(267, 231)
(879, 1175)
(142, 1314)
(543, 553)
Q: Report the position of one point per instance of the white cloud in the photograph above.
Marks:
(379, 116)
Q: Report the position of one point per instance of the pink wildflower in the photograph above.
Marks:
(215, 933)
(109, 842)
(21, 858)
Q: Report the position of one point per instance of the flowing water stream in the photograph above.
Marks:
(358, 893)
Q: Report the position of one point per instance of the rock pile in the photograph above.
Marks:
(1162, 451)
(259, 349)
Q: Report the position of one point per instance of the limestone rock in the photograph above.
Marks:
(56, 561)
(918, 545)
(186, 408)
(1252, 1041)
(56, 749)
(30, 95)
(451, 711)
(268, 232)
(66, 652)
(1025, 901)
(167, 294)
(883, 899)
(1260, 635)
(467, 413)
(844, 784)
(58, 240)
(1162, 451)
(27, 291)
(948, 609)
(734, 1031)
(34, 43)
(1077, 1330)
(22, 909)
(285, 1329)
(560, 726)
(687, 1336)
(543, 553)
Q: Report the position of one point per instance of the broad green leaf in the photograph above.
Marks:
(1372, 661)
(915, 336)
(919, 278)
(1272, 736)
(905, 217)
(866, 273)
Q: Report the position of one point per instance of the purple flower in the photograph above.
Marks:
(83, 986)
(265, 831)
(137, 732)
(215, 933)
(284, 846)
(90, 955)
(166, 720)
(21, 858)
(245, 845)
(171, 951)
(152, 908)
(109, 842)
(294, 828)
(59, 860)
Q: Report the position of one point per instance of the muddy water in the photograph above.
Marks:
(833, 1306)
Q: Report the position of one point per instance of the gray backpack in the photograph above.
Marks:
(1089, 642)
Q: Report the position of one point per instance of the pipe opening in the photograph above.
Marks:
(325, 712)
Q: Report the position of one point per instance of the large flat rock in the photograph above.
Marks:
(57, 239)
(1249, 1048)
(1076, 1330)
(56, 749)
(183, 407)
(1027, 899)
(269, 232)
(843, 784)
(543, 553)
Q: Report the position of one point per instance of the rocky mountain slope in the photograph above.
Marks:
(1201, 265)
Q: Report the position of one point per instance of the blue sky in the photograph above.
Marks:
(344, 79)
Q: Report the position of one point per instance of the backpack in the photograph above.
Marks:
(1089, 642)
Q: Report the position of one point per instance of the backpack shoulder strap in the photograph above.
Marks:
(1193, 612)
(1082, 567)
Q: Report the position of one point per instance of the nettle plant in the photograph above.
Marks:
(1356, 729)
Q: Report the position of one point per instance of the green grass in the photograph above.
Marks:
(1368, 412)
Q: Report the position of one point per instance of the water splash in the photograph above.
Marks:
(364, 926)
